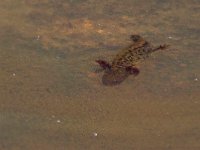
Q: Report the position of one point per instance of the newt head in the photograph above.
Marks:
(135, 37)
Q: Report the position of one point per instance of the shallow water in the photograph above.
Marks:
(51, 97)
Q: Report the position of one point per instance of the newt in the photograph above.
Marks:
(125, 62)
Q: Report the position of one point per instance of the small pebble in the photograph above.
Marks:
(169, 37)
(100, 31)
(95, 134)
(196, 79)
(38, 37)
(58, 121)
(13, 74)
(92, 75)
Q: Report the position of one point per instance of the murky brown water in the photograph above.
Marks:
(51, 98)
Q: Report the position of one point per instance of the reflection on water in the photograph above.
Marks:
(52, 98)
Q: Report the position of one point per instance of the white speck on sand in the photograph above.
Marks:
(95, 134)
(169, 37)
(196, 79)
(14, 74)
(38, 37)
(58, 121)
(174, 38)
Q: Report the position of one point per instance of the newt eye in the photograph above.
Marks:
(135, 38)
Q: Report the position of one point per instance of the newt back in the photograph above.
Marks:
(133, 54)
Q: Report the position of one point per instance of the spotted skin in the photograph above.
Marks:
(124, 64)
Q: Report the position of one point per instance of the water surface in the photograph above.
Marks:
(51, 98)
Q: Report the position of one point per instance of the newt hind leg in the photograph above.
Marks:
(135, 37)
(104, 64)
(132, 70)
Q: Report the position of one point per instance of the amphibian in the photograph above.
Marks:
(124, 63)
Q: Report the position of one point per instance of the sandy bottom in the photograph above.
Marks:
(51, 96)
